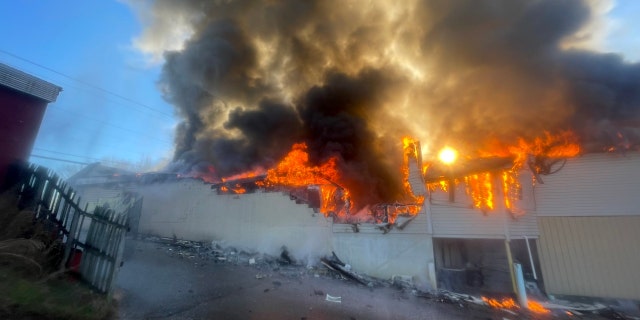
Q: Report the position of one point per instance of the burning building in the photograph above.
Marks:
(286, 101)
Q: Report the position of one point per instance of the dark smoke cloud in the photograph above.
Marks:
(352, 77)
(336, 122)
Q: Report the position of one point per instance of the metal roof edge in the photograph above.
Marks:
(26, 83)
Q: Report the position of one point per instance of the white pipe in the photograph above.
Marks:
(522, 291)
(533, 267)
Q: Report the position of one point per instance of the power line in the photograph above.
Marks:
(111, 124)
(82, 157)
(66, 154)
(87, 84)
(59, 159)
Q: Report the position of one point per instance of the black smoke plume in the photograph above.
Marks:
(350, 78)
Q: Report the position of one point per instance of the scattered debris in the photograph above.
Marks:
(336, 259)
(333, 266)
(284, 257)
(337, 267)
(333, 299)
(403, 220)
(402, 281)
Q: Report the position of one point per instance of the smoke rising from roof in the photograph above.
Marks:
(352, 77)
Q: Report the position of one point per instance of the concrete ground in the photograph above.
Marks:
(156, 283)
(152, 284)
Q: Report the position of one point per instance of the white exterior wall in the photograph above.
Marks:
(95, 195)
(399, 252)
(265, 222)
(459, 219)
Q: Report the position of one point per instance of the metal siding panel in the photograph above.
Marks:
(590, 256)
(26, 83)
(582, 240)
(547, 259)
(576, 251)
(591, 185)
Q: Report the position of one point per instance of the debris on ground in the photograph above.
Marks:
(285, 265)
(335, 264)
(333, 299)
(284, 257)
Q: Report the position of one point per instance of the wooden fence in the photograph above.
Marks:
(94, 241)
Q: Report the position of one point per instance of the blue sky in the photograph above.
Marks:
(111, 108)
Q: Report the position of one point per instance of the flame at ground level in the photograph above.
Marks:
(509, 303)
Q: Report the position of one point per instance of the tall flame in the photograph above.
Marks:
(411, 149)
(539, 154)
(294, 170)
(480, 188)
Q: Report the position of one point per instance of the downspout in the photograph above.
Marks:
(510, 261)
(507, 240)
(533, 268)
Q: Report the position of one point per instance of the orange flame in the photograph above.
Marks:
(294, 170)
(410, 147)
(536, 307)
(506, 303)
(512, 191)
(480, 188)
(535, 153)
(393, 211)
(440, 185)
(509, 303)
(561, 145)
(244, 175)
(239, 189)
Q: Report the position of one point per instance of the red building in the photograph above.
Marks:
(23, 100)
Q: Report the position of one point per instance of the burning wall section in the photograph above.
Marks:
(461, 218)
(264, 211)
(327, 187)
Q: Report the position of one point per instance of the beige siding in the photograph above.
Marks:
(592, 185)
(591, 256)
(459, 219)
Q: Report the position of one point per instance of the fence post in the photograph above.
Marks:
(70, 236)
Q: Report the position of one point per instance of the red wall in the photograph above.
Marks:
(20, 118)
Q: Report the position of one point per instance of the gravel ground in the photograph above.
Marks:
(158, 281)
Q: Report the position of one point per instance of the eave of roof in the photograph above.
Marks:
(26, 83)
